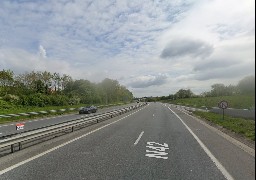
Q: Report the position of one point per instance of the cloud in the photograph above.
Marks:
(213, 64)
(42, 52)
(232, 58)
(186, 47)
(132, 41)
(238, 70)
(147, 81)
(21, 61)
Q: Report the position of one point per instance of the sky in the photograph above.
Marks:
(152, 47)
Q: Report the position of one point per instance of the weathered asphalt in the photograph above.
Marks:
(10, 128)
(157, 142)
(243, 113)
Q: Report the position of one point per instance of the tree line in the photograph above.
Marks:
(47, 89)
(245, 86)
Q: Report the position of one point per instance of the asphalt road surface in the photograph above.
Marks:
(244, 113)
(10, 128)
(154, 142)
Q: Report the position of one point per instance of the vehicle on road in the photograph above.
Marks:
(94, 109)
(88, 110)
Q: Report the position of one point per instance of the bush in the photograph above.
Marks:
(5, 105)
(35, 100)
(23, 101)
(59, 100)
(11, 98)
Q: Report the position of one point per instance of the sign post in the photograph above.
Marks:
(223, 105)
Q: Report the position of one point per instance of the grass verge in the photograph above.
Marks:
(37, 109)
(241, 126)
(237, 102)
(30, 117)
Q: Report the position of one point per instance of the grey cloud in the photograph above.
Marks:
(238, 70)
(215, 64)
(146, 81)
(186, 47)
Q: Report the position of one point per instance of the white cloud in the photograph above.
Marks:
(160, 46)
(20, 61)
(42, 52)
(147, 80)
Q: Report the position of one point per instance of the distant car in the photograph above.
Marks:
(88, 110)
(94, 109)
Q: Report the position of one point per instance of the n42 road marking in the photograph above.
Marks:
(157, 150)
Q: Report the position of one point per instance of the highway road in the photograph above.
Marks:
(156, 141)
(244, 113)
(10, 128)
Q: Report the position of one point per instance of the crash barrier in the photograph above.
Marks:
(189, 109)
(15, 141)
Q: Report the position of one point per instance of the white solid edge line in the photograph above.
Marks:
(59, 146)
(207, 151)
(237, 143)
(136, 142)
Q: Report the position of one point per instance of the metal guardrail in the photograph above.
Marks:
(188, 109)
(17, 139)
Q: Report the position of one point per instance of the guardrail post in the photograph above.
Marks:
(19, 146)
(12, 148)
(72, 129)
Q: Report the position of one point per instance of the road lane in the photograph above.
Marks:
(238, 161)
(166, 150)
(243, 113)
(10, 128)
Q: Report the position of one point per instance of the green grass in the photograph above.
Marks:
(29, 117)
(8, 108)
(241, 126)
(20, 109)
(237, 102)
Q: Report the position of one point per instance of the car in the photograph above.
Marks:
(94, 109)
(88, 110)
(85, 110)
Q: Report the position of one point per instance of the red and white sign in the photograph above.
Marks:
(223, 105)
(19, 126)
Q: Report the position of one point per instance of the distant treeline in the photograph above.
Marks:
(52, 89)
(245, 86)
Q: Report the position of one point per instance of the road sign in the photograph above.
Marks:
(19, 126)
(223, 104)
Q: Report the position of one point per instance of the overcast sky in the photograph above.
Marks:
(153, 47)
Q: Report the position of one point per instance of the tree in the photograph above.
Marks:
(247, 85)
(6, 81)
(6, 78)
(182, 93)
(56, 78)
(218, 90)
(65, 79)
(46, 78)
